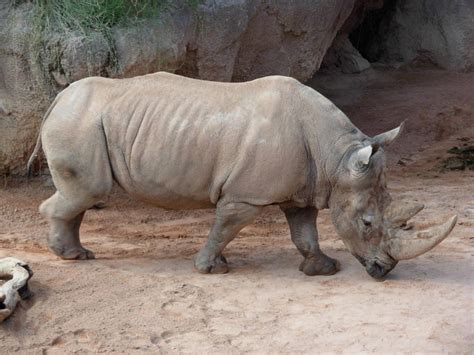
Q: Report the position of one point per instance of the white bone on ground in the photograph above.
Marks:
(11, 268)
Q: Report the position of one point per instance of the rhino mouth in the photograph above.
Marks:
(378, 270)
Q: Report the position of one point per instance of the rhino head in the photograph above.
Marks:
(370, 223)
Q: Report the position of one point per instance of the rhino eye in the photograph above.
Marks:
(367, 222)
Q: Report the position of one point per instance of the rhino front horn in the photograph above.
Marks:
(410, 244)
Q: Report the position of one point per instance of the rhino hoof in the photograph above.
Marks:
(78, 253)
(321, 265)
(216, 266)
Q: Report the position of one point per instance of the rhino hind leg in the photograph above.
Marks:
(78, 159)
(230, 219)
(65, 220)
(77, 191)
(302, 222)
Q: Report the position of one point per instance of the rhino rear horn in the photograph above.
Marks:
(409, 244)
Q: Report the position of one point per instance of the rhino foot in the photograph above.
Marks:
(76, 253)
(319, 265)
(216, 266)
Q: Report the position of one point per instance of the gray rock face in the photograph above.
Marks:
(21, 89)
(222, 25)
(289, 38)
(439, 33)
(219, 40)
(157, 44)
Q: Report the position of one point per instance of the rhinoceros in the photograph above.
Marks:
(182, 143)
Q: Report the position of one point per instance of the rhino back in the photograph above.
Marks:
(185, 143)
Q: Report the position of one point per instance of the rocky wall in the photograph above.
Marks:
(219, 40)
(434, 33)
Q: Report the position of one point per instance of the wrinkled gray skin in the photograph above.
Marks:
(182, 143)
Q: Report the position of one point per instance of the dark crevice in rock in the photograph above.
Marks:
(418, 33)
(370, 30)
(343, 56)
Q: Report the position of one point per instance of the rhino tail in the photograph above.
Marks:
(34, 155)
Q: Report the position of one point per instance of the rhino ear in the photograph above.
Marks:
(387, 138)
(359, 159)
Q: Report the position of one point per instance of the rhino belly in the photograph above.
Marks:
(161, 196)
(163, 183)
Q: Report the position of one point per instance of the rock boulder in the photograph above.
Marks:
(218, 40)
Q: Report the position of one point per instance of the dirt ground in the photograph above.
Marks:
(141, 294)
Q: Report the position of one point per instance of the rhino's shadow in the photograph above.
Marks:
(284, 262)
(449, 269)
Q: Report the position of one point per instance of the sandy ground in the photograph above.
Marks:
(142, 294)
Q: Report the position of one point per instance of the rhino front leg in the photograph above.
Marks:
(230, 219)
(302, 222)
